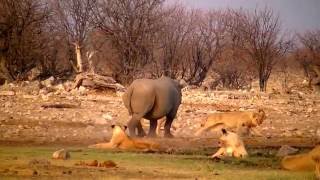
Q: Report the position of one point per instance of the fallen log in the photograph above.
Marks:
(59, 106)
(96, 81)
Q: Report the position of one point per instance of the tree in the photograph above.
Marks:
(131, 27)
(21, 27)
(177, 29)
(309, 57)
(259, 35)
(204, 46)
(73, 17)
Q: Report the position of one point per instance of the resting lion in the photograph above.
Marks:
(230, 145)
(238, 120)
(303, 162)
(120, 140)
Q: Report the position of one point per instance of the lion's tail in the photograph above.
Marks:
(147, 145)
(214, 127)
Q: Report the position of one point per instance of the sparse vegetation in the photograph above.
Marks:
(148, 38)
(64, 65)
(15, 162)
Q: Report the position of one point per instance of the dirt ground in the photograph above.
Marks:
(24, 118)
(33, 125)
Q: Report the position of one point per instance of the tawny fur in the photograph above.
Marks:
(230, 145)
(303, 162)
(238, 120)
(316, 159)
(120, 140)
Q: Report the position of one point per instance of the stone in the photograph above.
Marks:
(108, 164)
(34, 73)
(43, 91)
(286, 150)
(61, 154)
(48, 82)
(7, 93)
(82, 90)
(60, 87)
(107, 117)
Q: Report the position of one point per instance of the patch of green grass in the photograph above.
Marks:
(14, 163)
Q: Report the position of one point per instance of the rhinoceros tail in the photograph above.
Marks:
(127, 99)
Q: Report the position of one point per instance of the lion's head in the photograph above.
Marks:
(258, 117)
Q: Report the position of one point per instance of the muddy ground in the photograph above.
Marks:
(292, 118)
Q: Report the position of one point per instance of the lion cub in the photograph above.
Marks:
(238, 120)
(120, 140)
(230, 145)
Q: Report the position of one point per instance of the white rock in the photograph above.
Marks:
(305, 82)
(7, 93)
(309, 110)
(286, 150)
(82, 90)
(107, 116)
(48, 82)
(43, 91)
(61, 154)
(60, 87)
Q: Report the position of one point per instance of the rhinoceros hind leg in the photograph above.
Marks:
(133, 124)
(153, 128)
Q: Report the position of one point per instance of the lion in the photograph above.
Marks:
(120, 140)
(303, 162)
(316, 159)
(239, 120)
(230, 145)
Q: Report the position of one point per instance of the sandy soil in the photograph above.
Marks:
(291, 118)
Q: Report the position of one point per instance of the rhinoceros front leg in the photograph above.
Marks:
(133, 124)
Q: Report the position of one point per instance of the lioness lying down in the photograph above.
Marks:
(239, 120)
(230, 145)
(303, 162)
(120, 140)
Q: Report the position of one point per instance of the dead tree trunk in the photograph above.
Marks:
(96, 81)
(316, 80)
(79, 57)
(4, 73)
